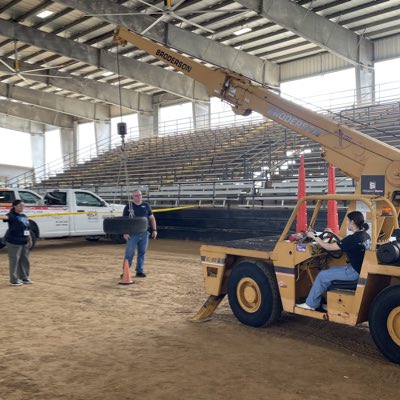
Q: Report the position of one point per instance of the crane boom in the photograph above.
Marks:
(354, 152)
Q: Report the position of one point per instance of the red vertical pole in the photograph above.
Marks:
(301, 222)
(332, 204)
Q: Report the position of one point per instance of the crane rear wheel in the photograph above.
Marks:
(384, 322)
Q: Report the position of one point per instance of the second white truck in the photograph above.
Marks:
(61, 213)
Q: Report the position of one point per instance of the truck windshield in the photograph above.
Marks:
(29, 198)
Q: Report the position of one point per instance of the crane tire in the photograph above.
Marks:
(253, 294)
(384, 322)
(122, 225)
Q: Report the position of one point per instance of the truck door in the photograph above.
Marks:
(89, 212)
(56, 220)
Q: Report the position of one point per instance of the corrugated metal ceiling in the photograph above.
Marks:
(373, 20)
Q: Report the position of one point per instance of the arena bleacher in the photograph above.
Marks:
(248, 166)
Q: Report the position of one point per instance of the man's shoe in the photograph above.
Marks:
(305, 306)
(26, 281)
(18, 283)
(324, 307)
(140, 275)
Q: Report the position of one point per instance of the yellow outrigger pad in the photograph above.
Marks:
(208, 307)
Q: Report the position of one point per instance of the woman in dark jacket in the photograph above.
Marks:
(354, 245)
(18, 240)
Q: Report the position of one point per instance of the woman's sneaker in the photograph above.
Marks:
(305, 306)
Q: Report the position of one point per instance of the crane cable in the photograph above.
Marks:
(122, 131)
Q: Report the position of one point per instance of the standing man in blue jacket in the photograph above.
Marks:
(138, 208)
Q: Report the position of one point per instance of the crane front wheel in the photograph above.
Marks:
(253, 294)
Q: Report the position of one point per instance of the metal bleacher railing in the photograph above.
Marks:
(255, 193)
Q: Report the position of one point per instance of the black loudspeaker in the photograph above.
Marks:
(122, 128)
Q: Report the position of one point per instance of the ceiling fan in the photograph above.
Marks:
(168, 10)
(16, 68)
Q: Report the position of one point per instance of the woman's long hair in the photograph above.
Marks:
(358, 219)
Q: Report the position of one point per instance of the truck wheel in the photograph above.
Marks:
(121, 225)
(92, 238)
(384, 322)
(253, 294)
(34, 229)
(117, 239)
(34, 238)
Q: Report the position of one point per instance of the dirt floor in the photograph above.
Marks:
(76, 334)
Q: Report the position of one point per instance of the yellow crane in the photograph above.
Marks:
(265, 277)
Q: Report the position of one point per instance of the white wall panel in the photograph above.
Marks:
(323, 63)
(387, 48)
(315, 65)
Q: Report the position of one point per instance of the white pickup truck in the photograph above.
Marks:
(61, 213)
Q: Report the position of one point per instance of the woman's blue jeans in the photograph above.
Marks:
(325, 278)
(139, 241)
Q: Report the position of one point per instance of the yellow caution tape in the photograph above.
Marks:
(61, 214)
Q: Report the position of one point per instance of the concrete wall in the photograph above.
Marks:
(10, 171)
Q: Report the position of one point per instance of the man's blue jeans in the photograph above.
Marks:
(325, 278)
(141, 241)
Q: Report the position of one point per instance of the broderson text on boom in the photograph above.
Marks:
(174, 61)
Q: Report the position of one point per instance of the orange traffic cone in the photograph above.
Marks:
(126, 275)
(301, 222)
(333, 220)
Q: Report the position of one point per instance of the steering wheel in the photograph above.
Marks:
(329, 237)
